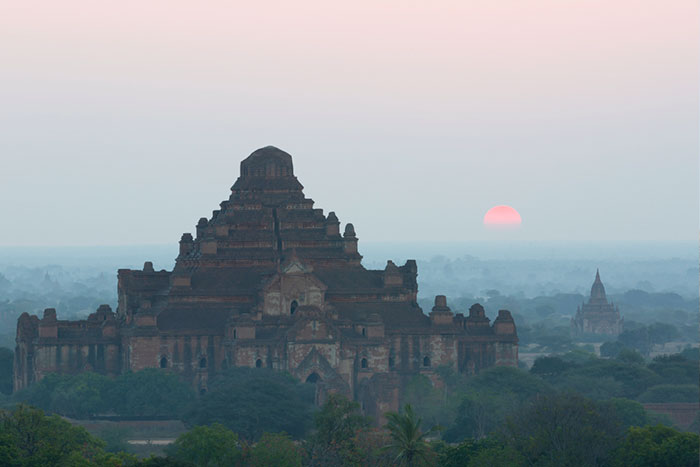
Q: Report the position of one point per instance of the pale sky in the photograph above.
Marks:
(125, 122)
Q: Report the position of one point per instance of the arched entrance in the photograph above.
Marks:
(313, 378)
(316, 380)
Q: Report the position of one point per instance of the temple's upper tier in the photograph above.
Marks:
(268, 168)
(267, 162)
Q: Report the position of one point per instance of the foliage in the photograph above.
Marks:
(6, 362)
(563, 430)
(437, 406)
(207, 446)
(691, 353)
(657, 446)
(337, 425)
(550, 366)
(150, 392)
(621, 379)
(611, 349)
(472, 453)
(115, 438)
(367, 449)
(479, 414)
(630, 356)
(275, 449)
(676, 369)
(408, 441)
(251, 401)
(76, 396)
(671, 393)
(30, 438)
(489, 397)
(627, 412)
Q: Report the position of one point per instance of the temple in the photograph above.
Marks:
(597, 316)
(269, 281)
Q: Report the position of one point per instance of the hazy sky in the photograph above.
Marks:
(124, 122)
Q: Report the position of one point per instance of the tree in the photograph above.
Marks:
(76, 396)
(661, 333)
(611, 349)
(630, 380)
(637, 339)
(408, 441)
(675, 369)
(630, 356)
(486, 452)
(251, 401)
(550, 366)
(671, 393)
(275, 449)
(6, 362)
(336, 425)
(657, 446)
(150, 392)
(480, 413)
(207, 446)
(628, 412)
(30, 438)
(431, 402)
(563, 430)
(489, 397)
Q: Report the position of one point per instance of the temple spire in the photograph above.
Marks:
(598, 290)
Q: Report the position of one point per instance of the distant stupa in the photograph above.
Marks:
(597, 316)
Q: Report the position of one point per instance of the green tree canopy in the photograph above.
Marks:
(563, 430)
(6, 362)
(489, 397)
(676, 369)
(275, 449)
(408, 441)
(671, 393)
(336, 424)
(150, 392)
(207, 446)
(657, 446)
(251, 401)
(28, 438)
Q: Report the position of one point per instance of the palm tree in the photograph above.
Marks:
(407, 438)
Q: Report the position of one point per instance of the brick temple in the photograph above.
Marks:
(598, 316)
(269, 281)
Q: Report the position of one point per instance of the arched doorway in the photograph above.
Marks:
(313, 378)
(316, 380)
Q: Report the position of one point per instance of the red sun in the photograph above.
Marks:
(502, 216)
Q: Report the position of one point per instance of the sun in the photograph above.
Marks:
(502, 217)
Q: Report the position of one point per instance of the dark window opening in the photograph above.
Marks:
(363, 363)
(426, 361)
(164, 362)
(234, 333)
(391, 362)
(258, 363)
(364, 332)
(293, 307)
(203, 363)
(313, 378)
